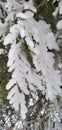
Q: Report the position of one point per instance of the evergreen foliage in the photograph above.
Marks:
(30, 58)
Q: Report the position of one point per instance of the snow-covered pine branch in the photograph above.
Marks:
(29, 59)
